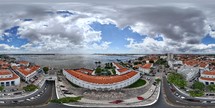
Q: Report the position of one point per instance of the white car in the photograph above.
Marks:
(182, 97)
(2, 102)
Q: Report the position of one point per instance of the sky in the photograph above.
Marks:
(107, 26)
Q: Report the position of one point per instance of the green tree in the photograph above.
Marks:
(196, 93)
(98, 70)
(46, 69)
(211, 87)
(177, 79)
(1, 88)
(198, 85)
(30, 87)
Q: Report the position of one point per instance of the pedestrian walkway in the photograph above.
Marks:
(147, 98)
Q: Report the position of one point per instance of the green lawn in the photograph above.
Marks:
(138, 83)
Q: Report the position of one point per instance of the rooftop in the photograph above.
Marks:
(147, 66)
(101, 79)
(209, 72)
(27, 71)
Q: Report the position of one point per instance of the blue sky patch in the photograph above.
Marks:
(116, 36)
(64, 13)
(11, 38)
(208, 40)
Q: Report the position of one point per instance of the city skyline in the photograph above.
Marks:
(87, 27)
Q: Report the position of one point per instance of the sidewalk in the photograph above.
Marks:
(40, 84)
(186, 94)
(150, 97)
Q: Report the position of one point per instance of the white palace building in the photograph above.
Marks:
(207, 77)
(8, 78)
(89, 81)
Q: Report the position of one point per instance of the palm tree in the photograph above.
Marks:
(96, 63)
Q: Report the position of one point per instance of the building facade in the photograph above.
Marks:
(8, 78)
(207, 77)
(145, 69)
(27, 73)
(189, 72)
(101, 82)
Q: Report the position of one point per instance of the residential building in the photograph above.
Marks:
(27, 73)
(188, 72)
(145, 69)
(207, 77)
(8, 78)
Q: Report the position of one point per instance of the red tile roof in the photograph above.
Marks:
(208, 79)
(8, 72)
(3, 62)
(118, 65)
(122, 70)
(101, 79)
(85, 70)
(147, 66)
(23, 62)
(27, 71)
(12, 78)
(209, 72)
(5, 72)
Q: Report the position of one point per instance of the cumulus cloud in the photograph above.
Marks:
(182, 28)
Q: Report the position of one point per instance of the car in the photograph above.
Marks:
(204, 102)
(15, 101)
(182, 97)
(32, 98)
(21, 100)
(176, 94)
(2, 102)
(38, 95)
(28, 99)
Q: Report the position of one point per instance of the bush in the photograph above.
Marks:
(45, 69)
(1, 88)
(30, 88)
(66, 100)
(177, 79)
(196, 93)
(198, 85)
(211, 87)
(157, 80)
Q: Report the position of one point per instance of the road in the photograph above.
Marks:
(48, 93)
(166, 100)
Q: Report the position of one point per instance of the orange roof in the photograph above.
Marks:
(23, 62)
(2, 62)
(147, 66)
(209, 72)
(101, 79)
(138, 65)
(4, 66)
(5, 72)
(27, 71)
(208, 79)
(122, 69)
(12, 78)
(203, 64)
(118, 65)
(85, 70)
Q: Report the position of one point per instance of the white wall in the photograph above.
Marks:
(89, 85)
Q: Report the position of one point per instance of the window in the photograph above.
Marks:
(2, 83)
(12, 82)
(7, 83)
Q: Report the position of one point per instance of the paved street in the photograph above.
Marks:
(48, 92)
